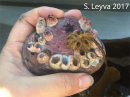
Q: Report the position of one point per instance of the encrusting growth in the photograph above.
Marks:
(79, 40)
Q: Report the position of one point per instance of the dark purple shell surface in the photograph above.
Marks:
(54, 51)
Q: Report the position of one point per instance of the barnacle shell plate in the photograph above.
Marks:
(57, 45)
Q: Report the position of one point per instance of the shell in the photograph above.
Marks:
(94, 45)
(38, 47)
(46, 52)
(85, 26)
(94, 33)
(41, 40)
(51, 21)
(79, 53)
(65, 62)
(94, 60)
(42, 21)
(30, 47)
(56, 61)
(85, 62)
(83, 19)
(97, 51)
(40, 28)
(42, 58)
(74, 63)
(48, 35)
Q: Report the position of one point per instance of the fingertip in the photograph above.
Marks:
(85, 81)
(73, 13)
(75, 83)
(44, 11)
(32, 15)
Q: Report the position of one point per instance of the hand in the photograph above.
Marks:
(17, 81)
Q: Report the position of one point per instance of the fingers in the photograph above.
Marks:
(59, 85)
(33, 15)
(27, 21)
(73, 13)
(26, 25)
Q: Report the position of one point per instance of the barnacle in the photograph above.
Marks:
(79, 40)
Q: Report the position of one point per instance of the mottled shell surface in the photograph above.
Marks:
(56, 45)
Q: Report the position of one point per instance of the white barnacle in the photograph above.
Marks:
(74, 63)
(86, 26)
(30, 47)
(56, 61)
(94, 60)
(42, 40)
(51, 21)
(42, 21)
(79, 53)
(41, 25)
(94, 33)
(83, 19)
(98, 52)
(40, 28)
(85, 62)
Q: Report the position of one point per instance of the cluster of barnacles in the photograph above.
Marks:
(80, 41)
(85, 24)
(85, 40)
(41, 36)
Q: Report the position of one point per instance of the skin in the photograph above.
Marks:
(17, 81)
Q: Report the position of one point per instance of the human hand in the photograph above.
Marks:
(17, 81)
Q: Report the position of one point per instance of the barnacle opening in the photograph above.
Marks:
(41, 55)
(82, 52)
(47, 32)
(75, 62)
(50, 16)
(65, 60)
(37, 45)
(86, 62)
(93, 55)
(30, 45)
(55, 60)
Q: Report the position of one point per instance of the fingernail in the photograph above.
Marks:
(85, 81)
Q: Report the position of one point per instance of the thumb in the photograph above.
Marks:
(60, 84)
